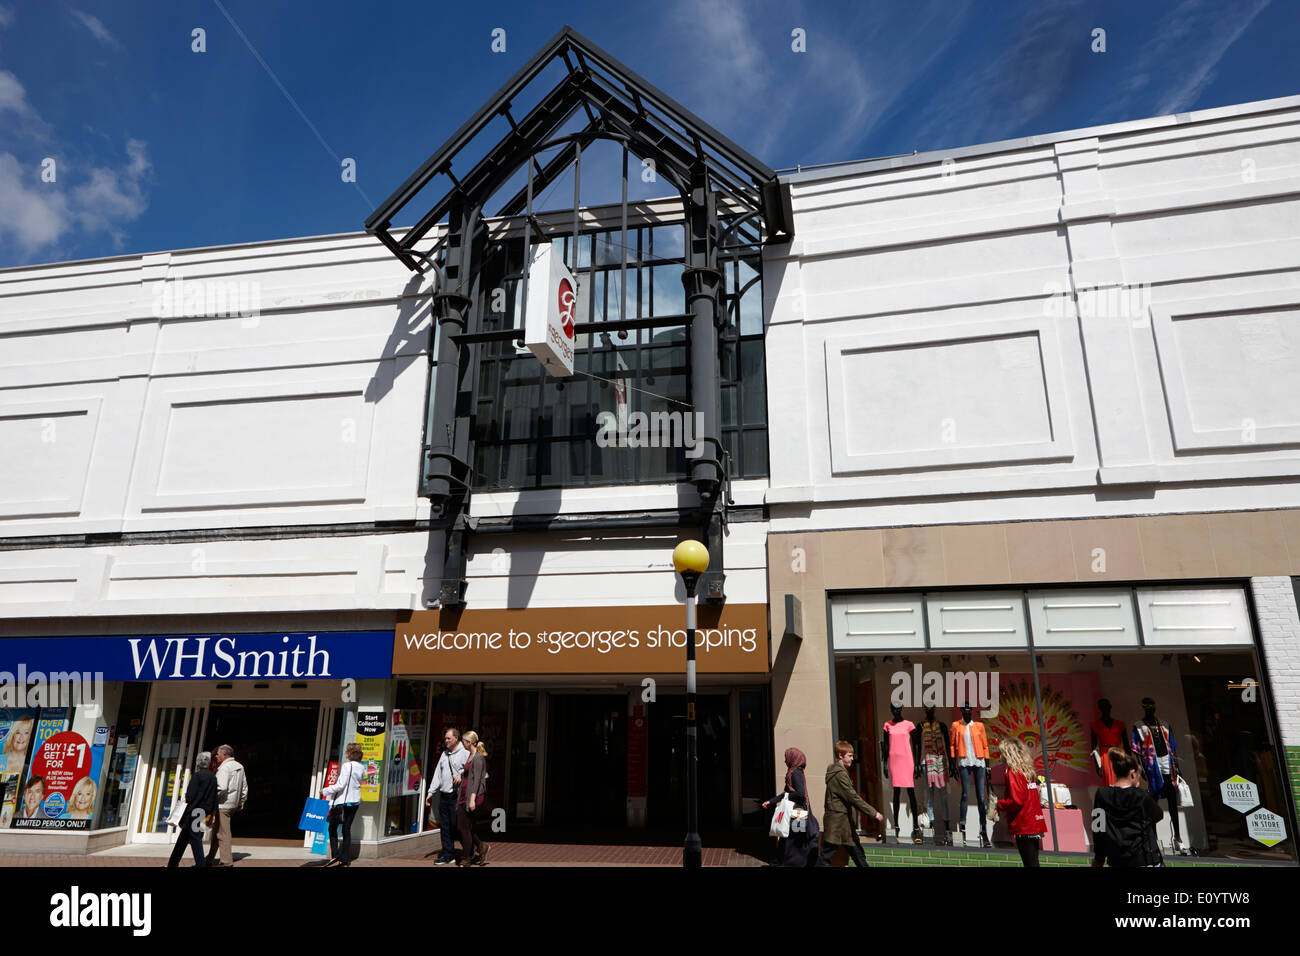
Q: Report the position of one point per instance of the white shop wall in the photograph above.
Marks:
(119, 419)
(929, 353)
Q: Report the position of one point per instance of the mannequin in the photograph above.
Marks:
(937, 769)
(1153, 743)
(900, 750)
(970, 750)
(1107, 732)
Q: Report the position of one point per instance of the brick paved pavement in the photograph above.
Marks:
(501, 854)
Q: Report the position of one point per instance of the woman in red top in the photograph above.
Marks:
(1022, 806)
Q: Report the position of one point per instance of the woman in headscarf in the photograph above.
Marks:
(800, 848)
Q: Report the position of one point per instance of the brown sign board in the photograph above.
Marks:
(581, 640)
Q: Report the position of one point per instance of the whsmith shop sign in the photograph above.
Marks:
(277, 656)
(581, 640)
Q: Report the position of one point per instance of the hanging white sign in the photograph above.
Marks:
(550, 310)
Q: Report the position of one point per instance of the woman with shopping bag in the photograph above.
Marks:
(797, 825)
(344, 797)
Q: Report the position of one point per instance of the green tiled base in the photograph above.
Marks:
(884, 855)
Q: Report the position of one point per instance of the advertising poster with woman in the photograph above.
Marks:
(60, 791)
(17, 727)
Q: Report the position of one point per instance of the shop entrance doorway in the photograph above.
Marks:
(586, 760)
(666, 806)
(274, 741)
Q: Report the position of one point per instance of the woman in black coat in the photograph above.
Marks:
(800, 848)
(200, 803)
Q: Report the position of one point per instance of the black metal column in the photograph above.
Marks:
(449, 450)
(703, 284)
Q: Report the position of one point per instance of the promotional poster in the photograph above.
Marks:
(17, 727)
(370, 737)
(61, 786)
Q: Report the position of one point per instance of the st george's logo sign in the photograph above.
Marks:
(550, 311)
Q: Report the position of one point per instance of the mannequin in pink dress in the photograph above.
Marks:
(900, 750)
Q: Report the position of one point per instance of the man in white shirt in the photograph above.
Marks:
(232, 793)
(445, 780)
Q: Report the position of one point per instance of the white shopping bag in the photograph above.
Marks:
(781, 818)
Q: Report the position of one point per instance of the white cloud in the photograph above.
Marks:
(1179, 59)
(1010, 89)
(12, 95)
(35, 215)
(1186, 93)
(6, 16)
(845, 84)
(96, 28)
(22, 124)
(112, 196)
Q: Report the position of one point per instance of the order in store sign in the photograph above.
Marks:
(1239, 793)
(1266, 827)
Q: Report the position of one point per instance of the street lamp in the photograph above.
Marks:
(690, 560)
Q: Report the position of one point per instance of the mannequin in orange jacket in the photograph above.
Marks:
(973, 767)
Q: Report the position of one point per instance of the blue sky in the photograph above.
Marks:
(158, 147)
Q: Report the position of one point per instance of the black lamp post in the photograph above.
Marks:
(690, 560)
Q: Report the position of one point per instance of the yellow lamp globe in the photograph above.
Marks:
(691, 556)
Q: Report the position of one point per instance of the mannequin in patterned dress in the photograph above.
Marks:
(937, 771)
(1153, 744)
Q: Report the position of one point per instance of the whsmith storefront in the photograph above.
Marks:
(100, 756)
(582, 710)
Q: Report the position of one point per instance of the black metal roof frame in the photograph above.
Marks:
(619, 104)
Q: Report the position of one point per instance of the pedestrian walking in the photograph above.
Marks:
(800, 847)
(200, 804)
(1022, 804)
(469, 806)
(344, 796)
(1124, 818)
(442, 788)
(232, 794)
(841, 800)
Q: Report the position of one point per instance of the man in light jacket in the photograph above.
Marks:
(232, 794)
(446, 778)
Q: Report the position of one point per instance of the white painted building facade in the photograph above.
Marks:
(1031, 368)
(1011, 372)
(227, 441)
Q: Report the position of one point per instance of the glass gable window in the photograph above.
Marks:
(534, 431)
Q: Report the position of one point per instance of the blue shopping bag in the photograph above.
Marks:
(314, 814)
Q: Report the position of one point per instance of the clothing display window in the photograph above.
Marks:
(1197, 722)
